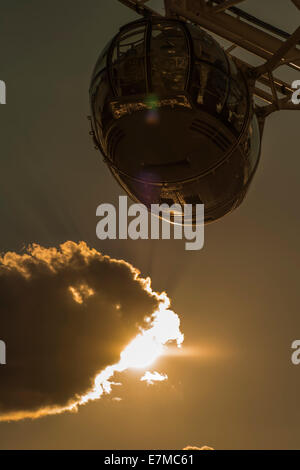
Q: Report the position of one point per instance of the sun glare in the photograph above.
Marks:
(144, 349)
(150, 344)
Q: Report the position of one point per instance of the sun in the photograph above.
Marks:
(142, 351)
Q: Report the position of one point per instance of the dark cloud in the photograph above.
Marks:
(65, 315)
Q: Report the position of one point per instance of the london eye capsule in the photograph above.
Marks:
(173, 115)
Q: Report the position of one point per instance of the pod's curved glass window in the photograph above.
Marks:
(255, 143)
(237, 103)
(213, 86)
(128, 71)
(224, 183)
(252, 148)
(207, 49)
(169, 58)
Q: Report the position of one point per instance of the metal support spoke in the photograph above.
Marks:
(139, 7)
(281, 86)
(241, 33)
(273, 88)
(250, 34)
(279, 55)
(225, 5)
(231, 48)
(263, 95)
(283, 104)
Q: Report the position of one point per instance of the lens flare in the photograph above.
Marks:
(152, 101)
(152, 117)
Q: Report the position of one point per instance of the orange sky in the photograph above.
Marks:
(238, 298)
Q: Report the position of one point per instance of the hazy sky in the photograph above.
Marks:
(238, 298)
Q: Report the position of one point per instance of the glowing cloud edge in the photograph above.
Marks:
(164, 328)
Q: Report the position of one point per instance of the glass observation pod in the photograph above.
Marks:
(173, 116)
